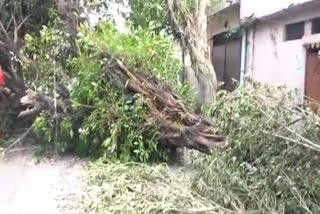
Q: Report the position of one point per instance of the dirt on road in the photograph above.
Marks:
(31, 187)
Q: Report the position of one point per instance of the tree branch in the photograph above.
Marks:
(3, 30)
(9, 23)
(177, 27)
(23, 21)
(15, 30)
(17, 141)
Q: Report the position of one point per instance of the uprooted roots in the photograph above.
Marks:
(179, 126)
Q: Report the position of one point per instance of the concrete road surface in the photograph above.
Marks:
(27, 187)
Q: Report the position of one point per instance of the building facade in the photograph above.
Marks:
(280, 43)
(226, 47)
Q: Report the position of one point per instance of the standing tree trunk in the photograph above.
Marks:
(189, 25)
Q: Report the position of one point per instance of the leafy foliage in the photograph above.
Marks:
(140, 48)
(49, 49)
(136, 188)
(105, 120)
(272, 162)
(152, 14)
(119, 123)
(270, 166)
(110, 121)
(148, 14)
(53, 136)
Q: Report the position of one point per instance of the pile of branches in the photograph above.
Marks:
(274, 153)
(270, 167)
(138, 188)
(37, 64)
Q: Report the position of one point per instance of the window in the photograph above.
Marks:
(316, 26)
(294, 31)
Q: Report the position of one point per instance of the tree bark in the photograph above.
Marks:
(179, 127)
(192, 33)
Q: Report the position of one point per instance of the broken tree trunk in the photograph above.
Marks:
(189, 25)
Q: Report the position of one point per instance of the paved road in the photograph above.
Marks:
(29, 188)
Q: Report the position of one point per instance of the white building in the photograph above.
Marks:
(279, 43)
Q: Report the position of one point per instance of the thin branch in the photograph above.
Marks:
(297, 195)
(27, 113)
(304, 139)
(9, 23)
(2, 28)
(17, 141)
(15, 35)
(17, 150)
(317, 149)
(20, 12)
(295, 121)
(23, 21)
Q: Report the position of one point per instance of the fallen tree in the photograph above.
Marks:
(69, 104)
(271, 165)
(179, 126)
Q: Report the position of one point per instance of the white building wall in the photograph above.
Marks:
(272, 60)
(262, 8)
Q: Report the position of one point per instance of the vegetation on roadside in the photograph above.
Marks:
(139, 188)
(104, 121)
(270, 166)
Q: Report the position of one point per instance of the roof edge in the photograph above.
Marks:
(291, 8)
(221, 6)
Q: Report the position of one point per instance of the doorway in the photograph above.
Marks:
(312, 81)
(226, 59)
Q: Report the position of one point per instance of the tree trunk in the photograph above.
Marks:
(192, 33)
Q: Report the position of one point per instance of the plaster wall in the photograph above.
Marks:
(264, 8)
(271, 59)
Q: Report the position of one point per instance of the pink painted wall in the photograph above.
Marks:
(263, 8)
(275, 61)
